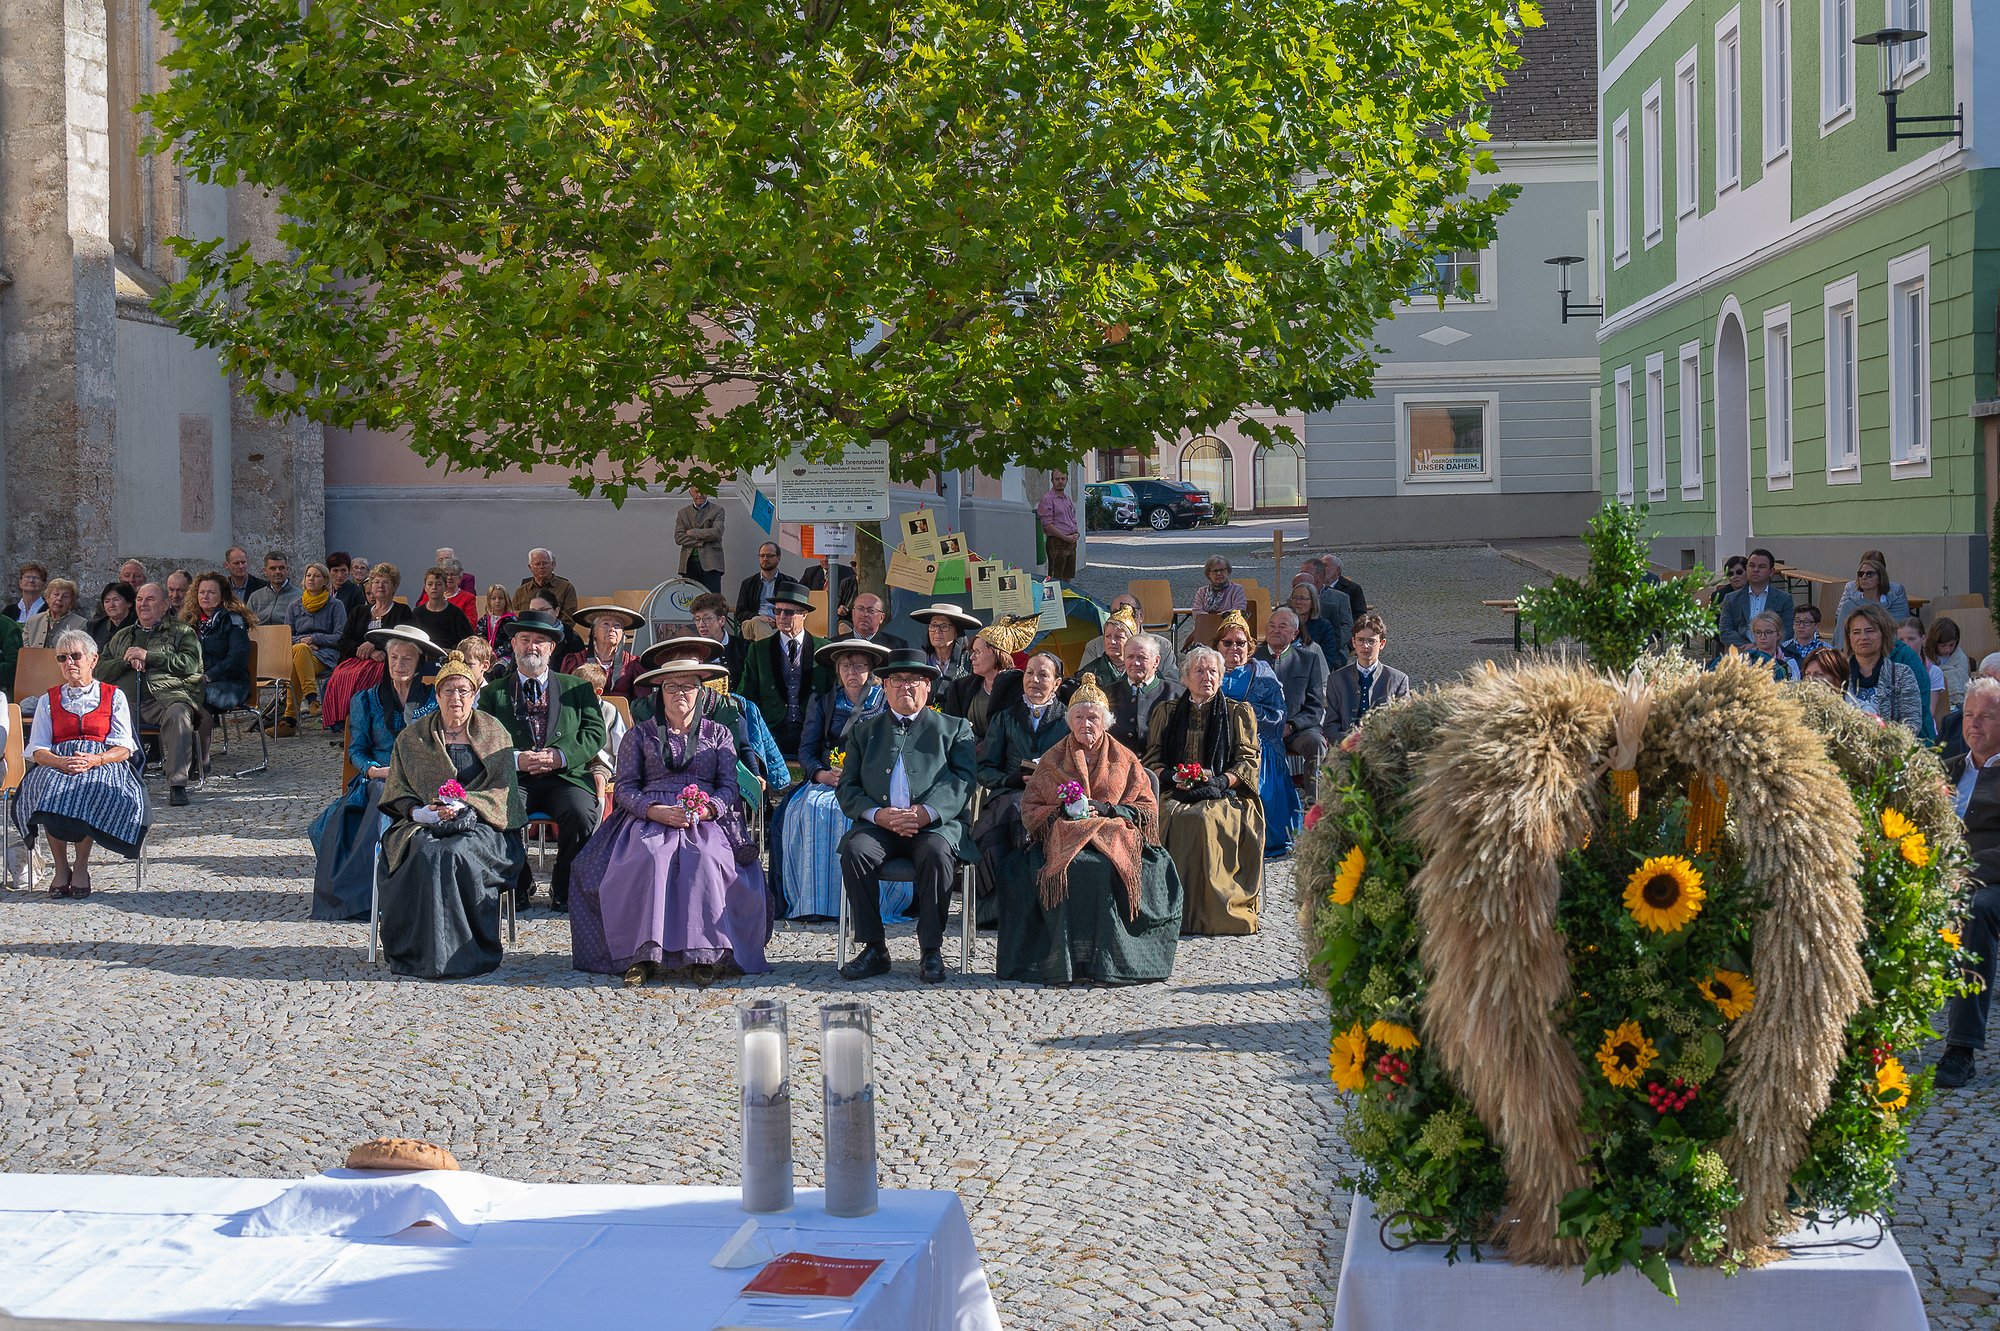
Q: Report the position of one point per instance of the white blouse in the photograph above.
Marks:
(82, 702)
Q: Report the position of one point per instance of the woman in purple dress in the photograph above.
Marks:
(668, 882)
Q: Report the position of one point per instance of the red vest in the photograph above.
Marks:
(65, 725)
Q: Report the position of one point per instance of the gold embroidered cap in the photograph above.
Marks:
(1123, 615)
(1013, 636)
(1089, 690)
(455, 664)
(1233, 620)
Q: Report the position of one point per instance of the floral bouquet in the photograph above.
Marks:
(1075, 804)
(451, 796)
(1187, 774)
(836, 758)
(696, 801)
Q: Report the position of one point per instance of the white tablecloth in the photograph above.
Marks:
(1415, 1290)
(560, 1256)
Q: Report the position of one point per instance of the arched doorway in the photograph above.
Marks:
(1279, 468)
(1733, 528)
(1206, 465)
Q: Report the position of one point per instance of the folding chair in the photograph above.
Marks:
(12, 770)
(585, 602)
(35, 672)
(541, 838)
(249, 707)
(271, 645)
(900, 870)
(375, 910)
(1156, 602)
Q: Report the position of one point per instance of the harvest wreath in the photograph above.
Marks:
(1580, 1013)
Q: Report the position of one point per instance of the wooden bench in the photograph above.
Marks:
(1512, 609)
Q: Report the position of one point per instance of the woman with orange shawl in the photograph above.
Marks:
(1093, 897)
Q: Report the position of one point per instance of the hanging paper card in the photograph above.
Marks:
(950, 577)
(920, 533)
(910, 573)
(951, 545)
(762, 510)
(984, 573)
(1053, 614)
(1013, 595)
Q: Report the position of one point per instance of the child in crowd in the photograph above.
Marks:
(1911, 634)
(1806, 637)
(605, 765)
(1941, 648)
(477, 654)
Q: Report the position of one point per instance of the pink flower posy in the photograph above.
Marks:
(451, 790)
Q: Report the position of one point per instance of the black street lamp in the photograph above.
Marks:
(1562, 297)
(1884, 41)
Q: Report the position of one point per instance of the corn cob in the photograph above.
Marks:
(1625, 790)
(1708, 799)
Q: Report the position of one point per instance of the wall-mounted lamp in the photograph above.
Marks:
(1592, 311)
(1885, 43)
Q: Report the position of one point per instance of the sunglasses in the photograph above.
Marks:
(1864, 573)
(69, 656)
(786, 612)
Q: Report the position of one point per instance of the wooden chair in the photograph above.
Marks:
(271, 646)
(816, 619)
(634, 601)
(16, 767)
(1156, 602)
(347, 769)
(36, 672)
(1962, 601)
(583, 601)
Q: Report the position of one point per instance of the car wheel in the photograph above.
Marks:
(1160, 519)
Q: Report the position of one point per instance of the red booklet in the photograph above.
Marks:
(809, 1275)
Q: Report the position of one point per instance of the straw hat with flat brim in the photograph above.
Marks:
(688, 647)
(833, 651)
(630, 619)
(409, 633)
(699, 669)
(944, 610)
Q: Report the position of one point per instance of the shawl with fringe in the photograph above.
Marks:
(1111, 773)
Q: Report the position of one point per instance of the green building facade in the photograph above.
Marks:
(1799, 323)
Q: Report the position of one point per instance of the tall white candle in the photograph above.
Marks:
(846, 1061)
(763, 1062)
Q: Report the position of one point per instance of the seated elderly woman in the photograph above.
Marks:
(1247, 680)
(115, 611)
(1093, 896)
(1107, 668)
(671, 880)
(807, 828)
(80, 787)
(608, 625)
(760, 762)
(1219, 596)
(455, 843)
(1015, 741)
(346, 832)
(360, 659)
(44, 626)
(1204, 749)
(945, 627)
(316, 620)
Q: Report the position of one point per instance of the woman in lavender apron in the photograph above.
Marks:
(671, 879)
(80, 787)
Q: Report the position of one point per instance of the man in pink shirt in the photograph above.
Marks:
(1059, 533)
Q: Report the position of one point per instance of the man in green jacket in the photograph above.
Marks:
(558, 727)
(157, 662)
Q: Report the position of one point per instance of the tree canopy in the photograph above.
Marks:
(644, 235)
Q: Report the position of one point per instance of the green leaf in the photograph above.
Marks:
(1654, 1268)
(1340, 955)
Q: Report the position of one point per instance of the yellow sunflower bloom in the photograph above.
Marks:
(1664, 893)
(1625, 1055)
(1916, 850)
(1349, 878)
(1396, 1036)
(1892, 1085)
(1733, 994)
(1349, 1058)
(1895, 826)
(1950, 936)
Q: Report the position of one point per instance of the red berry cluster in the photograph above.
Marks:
(1670, 1099)
(1393, 1070)
(1879, 1054)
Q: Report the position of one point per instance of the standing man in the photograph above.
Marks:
(1058, 517)
(753, 598)
(542, 581)
(698, 532)
(558, 727)
(157, 662)
(1142, 688)
(1752, 599)
(1301, 667)
(1364, 682)
(780, 674)
(908, 778)
(241, 580)
(869, 617)
(279, 593)
(1977, 778)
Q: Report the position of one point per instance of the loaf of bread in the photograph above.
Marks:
(399, 1153)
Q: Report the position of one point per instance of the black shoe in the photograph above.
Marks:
(560, 907)
(178, 797)
(1955, 1068)
(931, 970)
(869, 961)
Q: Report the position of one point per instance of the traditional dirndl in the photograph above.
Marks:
(106, 804)
(814, 826)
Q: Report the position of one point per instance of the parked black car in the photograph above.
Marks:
(1167, 504)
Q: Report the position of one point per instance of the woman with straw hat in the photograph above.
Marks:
(945, 627)
(608, 627)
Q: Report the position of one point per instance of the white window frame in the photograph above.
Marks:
(1780, 400)
(1843, 389)
(1656, 426)
(1488, 297)
(1687, 136)
(1621, 425)
(1910, 365)
(1621, 191)
(1837, 65)
(1458, 482)
(1777, 78)
(1650, 130)
(1913, 59)
(1728, 103)
(1689, 420)
(1618, 9)
(1593, 252)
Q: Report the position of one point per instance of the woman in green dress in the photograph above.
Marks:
(1094, 896)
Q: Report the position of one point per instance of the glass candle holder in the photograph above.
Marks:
(765, 1075)
(847, 1066)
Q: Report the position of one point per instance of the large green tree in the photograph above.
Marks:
(640, 235)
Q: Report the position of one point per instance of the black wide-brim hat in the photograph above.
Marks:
(535, 621)
(907, 661)
(792, 593)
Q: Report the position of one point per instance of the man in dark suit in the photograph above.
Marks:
(1336, 582)
(1752, 599)
(780, 674)
(711, 621)
(907, 784)
(753, 598)
(1364, 682)
(241, 580)
(1135, 694)
(1301, 668)
(869, 616)
(1975, 774)
(558, 727)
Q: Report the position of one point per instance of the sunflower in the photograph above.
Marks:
(1394, 1035)
(1664, 893)
(1730, 992)
(1892, 1085)
(1950, 936)
(1916, 850)
(1349, 1058)
(1625, 1055)
(1349, 877)
(1895, 826)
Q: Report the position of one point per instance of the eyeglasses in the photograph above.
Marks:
(680, 686)
(786, 611)
(69, 656)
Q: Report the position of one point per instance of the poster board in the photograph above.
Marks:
(854, 489)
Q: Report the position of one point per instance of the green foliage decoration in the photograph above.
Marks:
(1619, 607)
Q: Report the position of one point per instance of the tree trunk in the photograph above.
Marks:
(872, 562)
